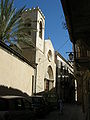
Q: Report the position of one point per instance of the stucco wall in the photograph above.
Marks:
(15, 73)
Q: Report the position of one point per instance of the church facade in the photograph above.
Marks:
(43, 54)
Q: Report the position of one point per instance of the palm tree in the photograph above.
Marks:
(12, 27)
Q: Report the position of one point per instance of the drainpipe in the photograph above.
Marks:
(35, 78)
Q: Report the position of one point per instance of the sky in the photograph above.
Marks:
(54, 18)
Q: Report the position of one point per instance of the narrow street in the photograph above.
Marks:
(70, 112)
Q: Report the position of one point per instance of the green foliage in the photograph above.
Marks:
(12, 27)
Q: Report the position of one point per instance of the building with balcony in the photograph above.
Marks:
(66, 86)
(77, 14)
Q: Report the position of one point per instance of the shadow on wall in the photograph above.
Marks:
(4, 90)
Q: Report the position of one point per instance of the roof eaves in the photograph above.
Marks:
(12, 51)
(68, 15)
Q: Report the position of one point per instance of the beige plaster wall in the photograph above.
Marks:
(15, 73)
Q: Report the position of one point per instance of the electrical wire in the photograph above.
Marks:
(57, 50)
(62, 45)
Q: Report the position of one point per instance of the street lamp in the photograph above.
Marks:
(71, 56)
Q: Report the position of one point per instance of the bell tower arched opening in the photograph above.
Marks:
(40, 29)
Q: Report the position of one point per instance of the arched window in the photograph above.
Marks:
(49, 55)
(40, 29)
(50, 72)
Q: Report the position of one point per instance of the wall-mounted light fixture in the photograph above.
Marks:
(71, 56)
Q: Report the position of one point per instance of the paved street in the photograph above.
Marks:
(71, 112)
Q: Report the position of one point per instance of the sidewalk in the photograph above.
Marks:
(70, 112)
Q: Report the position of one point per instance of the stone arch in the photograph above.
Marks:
(49, 55)
(50, 72)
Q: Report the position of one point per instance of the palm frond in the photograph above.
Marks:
(12, 26)
(14, 19)
(8, 9)
(2, 9)
(5, 7)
